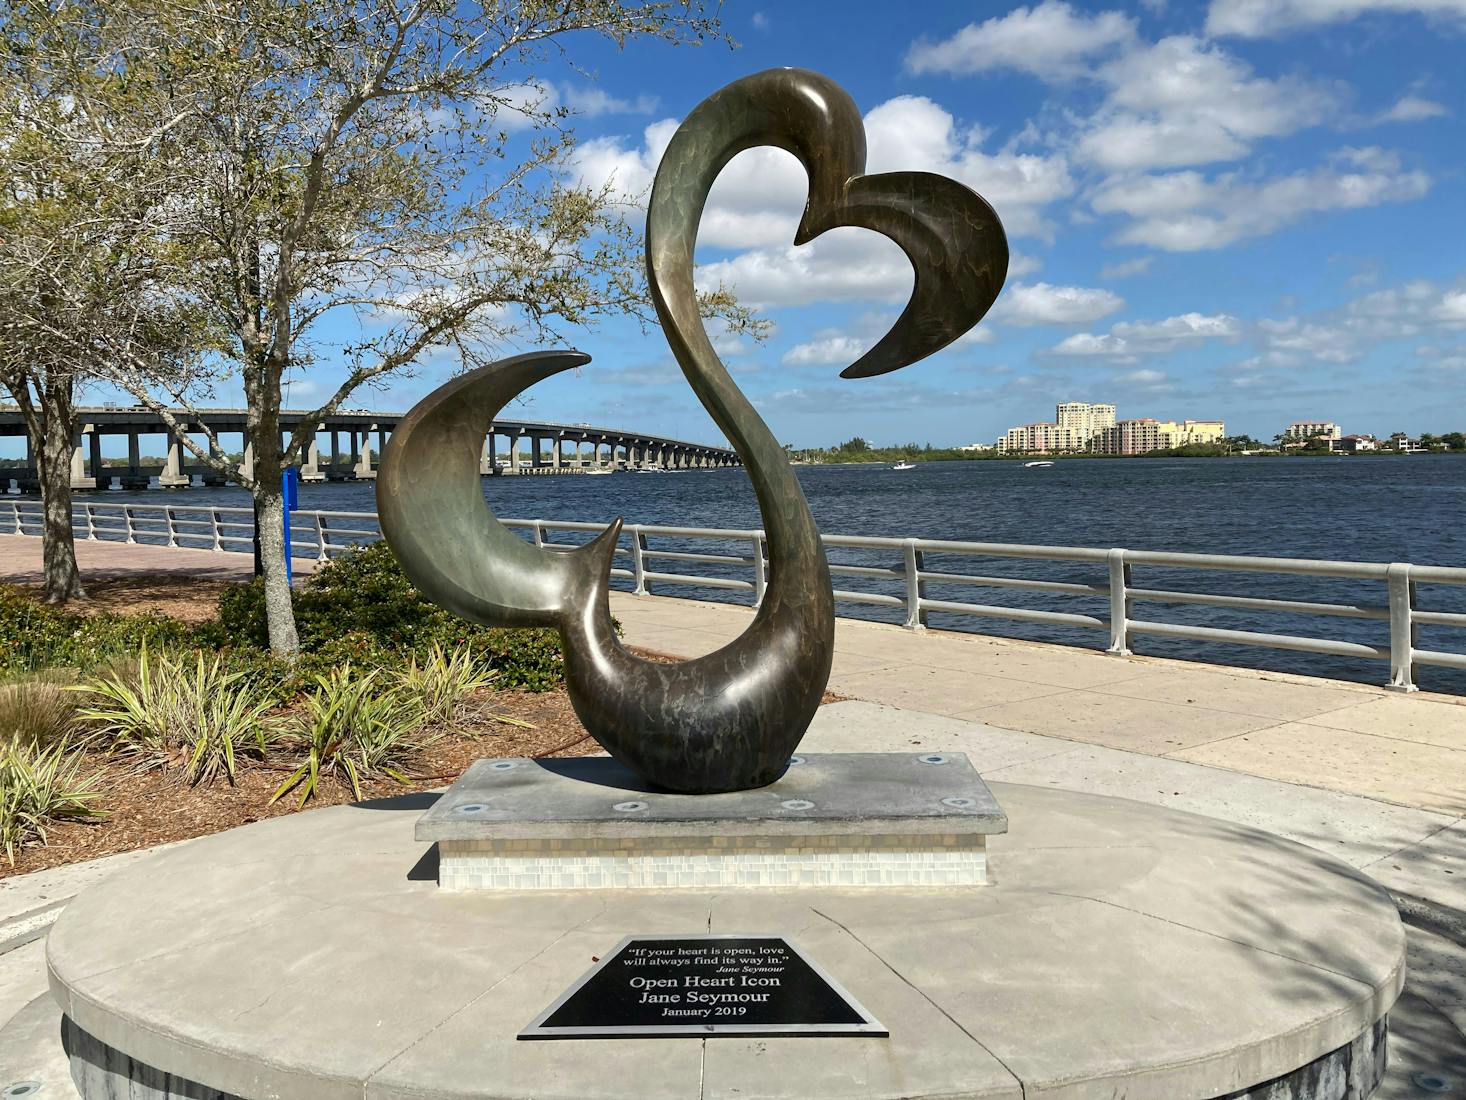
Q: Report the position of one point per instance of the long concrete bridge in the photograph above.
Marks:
(352, 439)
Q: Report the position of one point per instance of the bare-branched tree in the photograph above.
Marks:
(358, 186)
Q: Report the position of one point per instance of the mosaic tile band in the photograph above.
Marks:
(722, 862)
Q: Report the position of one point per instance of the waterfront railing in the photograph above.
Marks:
(896, 574)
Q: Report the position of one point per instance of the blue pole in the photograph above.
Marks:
(290, 485)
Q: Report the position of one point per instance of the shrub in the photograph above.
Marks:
(441, 682)
(361, 607)
(39, 788)
(34, 636)
(354, 724)
(173, 716)
(36, 711)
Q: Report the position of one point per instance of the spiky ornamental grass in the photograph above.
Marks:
(40, 788)
(354, 724)
(197, 716)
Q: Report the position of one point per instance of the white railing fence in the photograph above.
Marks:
(737, 560)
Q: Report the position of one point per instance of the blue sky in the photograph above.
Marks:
(1247, 209)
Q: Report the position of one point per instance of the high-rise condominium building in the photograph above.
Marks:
(1313, 429)
(1074, 427)
(1136, 437)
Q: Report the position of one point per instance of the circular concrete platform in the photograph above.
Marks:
(1125, 950)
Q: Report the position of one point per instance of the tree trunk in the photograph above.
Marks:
(62, 580)
(270, 510)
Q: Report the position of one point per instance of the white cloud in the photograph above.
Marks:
(758, 197)
(593, 102)
(1046, 304)
(1126, 269)
(1349, 333)
(829, 349)
(1259, 18)
(1412, 108)
(1452, 308)
(1021, 264)
(1184, 101)
(1145, 377)
(844, 265)
(761, 22)
(1129, 340)
(1185, 211)
(912, 133)
(1050, 40)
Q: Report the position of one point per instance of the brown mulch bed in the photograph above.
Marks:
(192, 599)
(148, 808)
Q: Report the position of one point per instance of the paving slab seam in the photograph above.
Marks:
(1314, 720)
(372, 1074)
(1177, 759)
(1225, 939)
(1022, 1087)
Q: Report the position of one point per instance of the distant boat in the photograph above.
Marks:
(903, 465)
(600, 469)
(1042, 464)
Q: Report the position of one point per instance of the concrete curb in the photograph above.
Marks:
(1430, 916)
(24, 928)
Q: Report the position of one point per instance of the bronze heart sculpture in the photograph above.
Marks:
(730, 720)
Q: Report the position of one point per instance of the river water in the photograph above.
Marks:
(1361, 508)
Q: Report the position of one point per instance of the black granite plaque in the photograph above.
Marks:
(651, 987)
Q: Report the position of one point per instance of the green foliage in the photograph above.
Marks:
(36, 711)
(362, 608)
(354, 724)
(441, 682)
(34, 636)
(198, 718)
(39, 788)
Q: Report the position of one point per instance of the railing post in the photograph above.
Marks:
(172, 532)
(915, 587)
(127, 515)
(322, 538)
(214, 520)
(1402, 628)
(1119, 603)
(638, 563)
(86, 510)
(760, 569)
(539, 534)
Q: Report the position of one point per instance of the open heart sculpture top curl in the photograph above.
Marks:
(730, 720)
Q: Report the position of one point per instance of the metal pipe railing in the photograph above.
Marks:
(323, 534)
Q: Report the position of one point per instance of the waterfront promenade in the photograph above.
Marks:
(1375, 779)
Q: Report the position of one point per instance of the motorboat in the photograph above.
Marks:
(904, 465)
(1041, 464)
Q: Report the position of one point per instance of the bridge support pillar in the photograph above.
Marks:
(489, 460)
(362, 468)
(134, 478)
(173, 476)
(100, 476)
(555, 448)
(310, 469)
(514, 454)
(79, 479)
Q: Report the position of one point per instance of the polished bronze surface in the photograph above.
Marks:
(729, 720)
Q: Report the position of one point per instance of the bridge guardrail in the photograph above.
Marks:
(323, 534)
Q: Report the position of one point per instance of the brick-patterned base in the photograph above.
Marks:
(721, 862)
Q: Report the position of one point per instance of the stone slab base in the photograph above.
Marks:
(860, 820)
